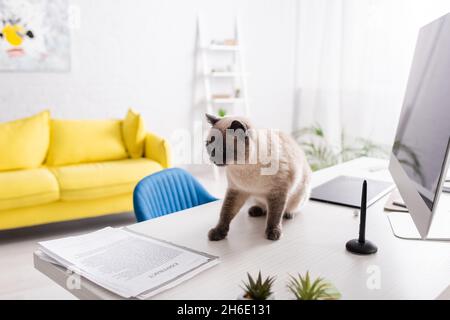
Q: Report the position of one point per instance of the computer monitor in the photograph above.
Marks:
(419, 159)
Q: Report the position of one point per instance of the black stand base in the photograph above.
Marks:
(362, 248)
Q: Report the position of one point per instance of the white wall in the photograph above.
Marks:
(140, 53)
(354, 58)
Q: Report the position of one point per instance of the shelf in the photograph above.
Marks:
(227, 74)
(216, 47)
(227, 100)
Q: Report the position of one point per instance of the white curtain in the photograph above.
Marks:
(353, 61)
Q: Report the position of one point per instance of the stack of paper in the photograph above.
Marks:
(447, 183)
(126, 263)
(395, 203)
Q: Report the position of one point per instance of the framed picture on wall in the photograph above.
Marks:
(34, 35)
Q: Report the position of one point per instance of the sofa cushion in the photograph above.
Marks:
(24, 143)
(103, 179)
(84, 141)
(26, 188)
(134, 134)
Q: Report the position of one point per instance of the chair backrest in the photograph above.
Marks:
(168, 191)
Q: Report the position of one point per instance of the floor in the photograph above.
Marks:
(19, 279)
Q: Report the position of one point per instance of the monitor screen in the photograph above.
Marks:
(423, 132)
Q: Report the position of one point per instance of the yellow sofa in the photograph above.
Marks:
(58, 170)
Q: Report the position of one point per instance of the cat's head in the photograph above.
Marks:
(228, 140)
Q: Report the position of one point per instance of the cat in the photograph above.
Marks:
(280, 187)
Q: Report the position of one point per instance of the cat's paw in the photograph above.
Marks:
(288, 215)
(217, 234)
(273, 233)
(256, 211)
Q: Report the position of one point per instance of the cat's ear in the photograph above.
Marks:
(212, 120)
(238, 125)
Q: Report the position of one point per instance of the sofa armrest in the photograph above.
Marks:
(157, 149)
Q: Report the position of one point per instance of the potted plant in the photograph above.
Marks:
(259, 289)
(304, 288)
(222, 112)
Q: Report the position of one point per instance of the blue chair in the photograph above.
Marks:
(166, 192)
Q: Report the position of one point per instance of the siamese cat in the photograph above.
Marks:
(268, 166)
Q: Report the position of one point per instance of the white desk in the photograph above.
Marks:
(314, 240)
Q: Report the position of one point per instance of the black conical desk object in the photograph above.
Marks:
(361, 245)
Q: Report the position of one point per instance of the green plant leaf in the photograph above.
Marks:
(222, 112)
(259, 289)
(304, 288)
(321, 154)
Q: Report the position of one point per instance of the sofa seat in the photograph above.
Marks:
(26, 188)
(102, 179)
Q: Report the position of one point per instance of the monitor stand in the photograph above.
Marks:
(403, 225)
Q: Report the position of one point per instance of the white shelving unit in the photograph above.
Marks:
(239, 73)
(217, 47)
(225, 74)
(227, 101)
(237, 77)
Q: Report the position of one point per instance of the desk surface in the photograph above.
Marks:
(314, 240)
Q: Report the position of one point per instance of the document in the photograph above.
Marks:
(126, 263)
(394, 201)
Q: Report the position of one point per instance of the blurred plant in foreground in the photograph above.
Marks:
(322, 154)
